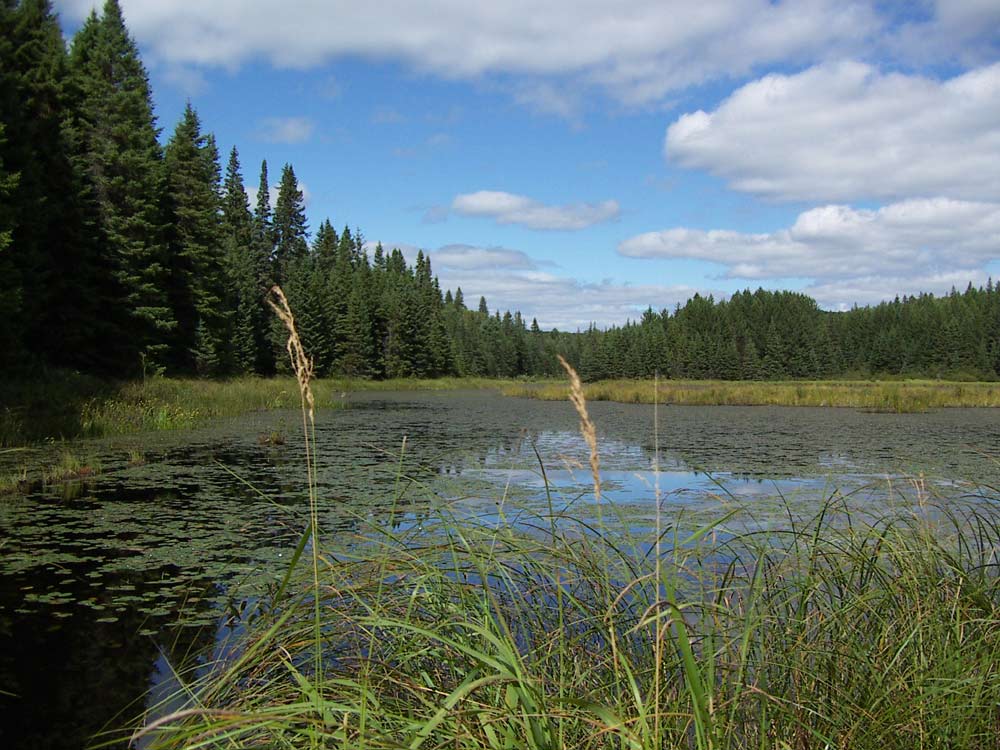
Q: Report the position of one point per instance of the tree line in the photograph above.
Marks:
(120, 255)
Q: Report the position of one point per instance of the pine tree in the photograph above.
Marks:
(47, 210)
(289, 227)
(247, 268)
(123, 162)
(325, 245)
(263, 221)
(197, 286)
(356, 348)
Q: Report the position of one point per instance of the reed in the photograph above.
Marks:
(872, 633)
(69, 468)
(841, 630)
(887, 396)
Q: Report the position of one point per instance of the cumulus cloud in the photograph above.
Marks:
(849, 251)
(960, 30)
(512, 280)
(272, 194)
(636, 53)
(508, 208)
(286, 129)
(845, 131)
(564, 302)
(473, 258)
(870, 290)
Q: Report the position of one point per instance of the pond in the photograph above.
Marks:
(105, 583)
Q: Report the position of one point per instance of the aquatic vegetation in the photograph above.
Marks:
(842, 630)
(845, 629)
(274, 437)
(888, 396)
(68, 468)
(71, 405)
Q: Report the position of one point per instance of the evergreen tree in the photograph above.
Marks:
(263, 221)
(289, 226)
(48, 216)
(11, 301)
(325, 245)
(356, 347)
(123, 161)
(246, 266)
(197, 284)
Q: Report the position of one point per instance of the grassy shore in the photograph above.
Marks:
(78, 406)
(888, 396)
(847, 629)
(844, 630)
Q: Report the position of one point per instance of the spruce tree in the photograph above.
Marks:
(290, 230)
(197, 285)
(246, 267)
(47, 209)
(263, 221)
(356, 348)
(325, 246)
(123, 161)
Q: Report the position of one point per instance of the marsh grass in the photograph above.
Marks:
(883, 396)
(841, 630)
(69, 468)
(69, 405)
(838, 631)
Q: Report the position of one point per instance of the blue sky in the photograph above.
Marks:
(582, 160)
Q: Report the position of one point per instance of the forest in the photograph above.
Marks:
(123, 254)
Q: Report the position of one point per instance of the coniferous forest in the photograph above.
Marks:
(123, 253)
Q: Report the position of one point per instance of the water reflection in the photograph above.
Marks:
(136, 567)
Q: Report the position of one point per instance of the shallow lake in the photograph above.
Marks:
(103, 584)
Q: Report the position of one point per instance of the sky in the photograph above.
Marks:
(581, 161)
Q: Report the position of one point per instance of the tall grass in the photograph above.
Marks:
(70, 405)
(841, 630)
(888, 396)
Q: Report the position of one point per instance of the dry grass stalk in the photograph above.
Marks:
(301, 364)
(587, 428)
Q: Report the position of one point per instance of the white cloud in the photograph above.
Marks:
(508, 208)
(845, 131)
(870, 290)
(286, 129)
(470, 257)
(637, 53)
(186, 79)
(960, 30)
(272, 194)
(897, 248)
(511, 280)
(561, 301)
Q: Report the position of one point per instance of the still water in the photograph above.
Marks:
(106, 583)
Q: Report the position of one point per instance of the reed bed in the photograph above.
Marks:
(72, 406)
(888, 396)
(70, 467)
(841, 630)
